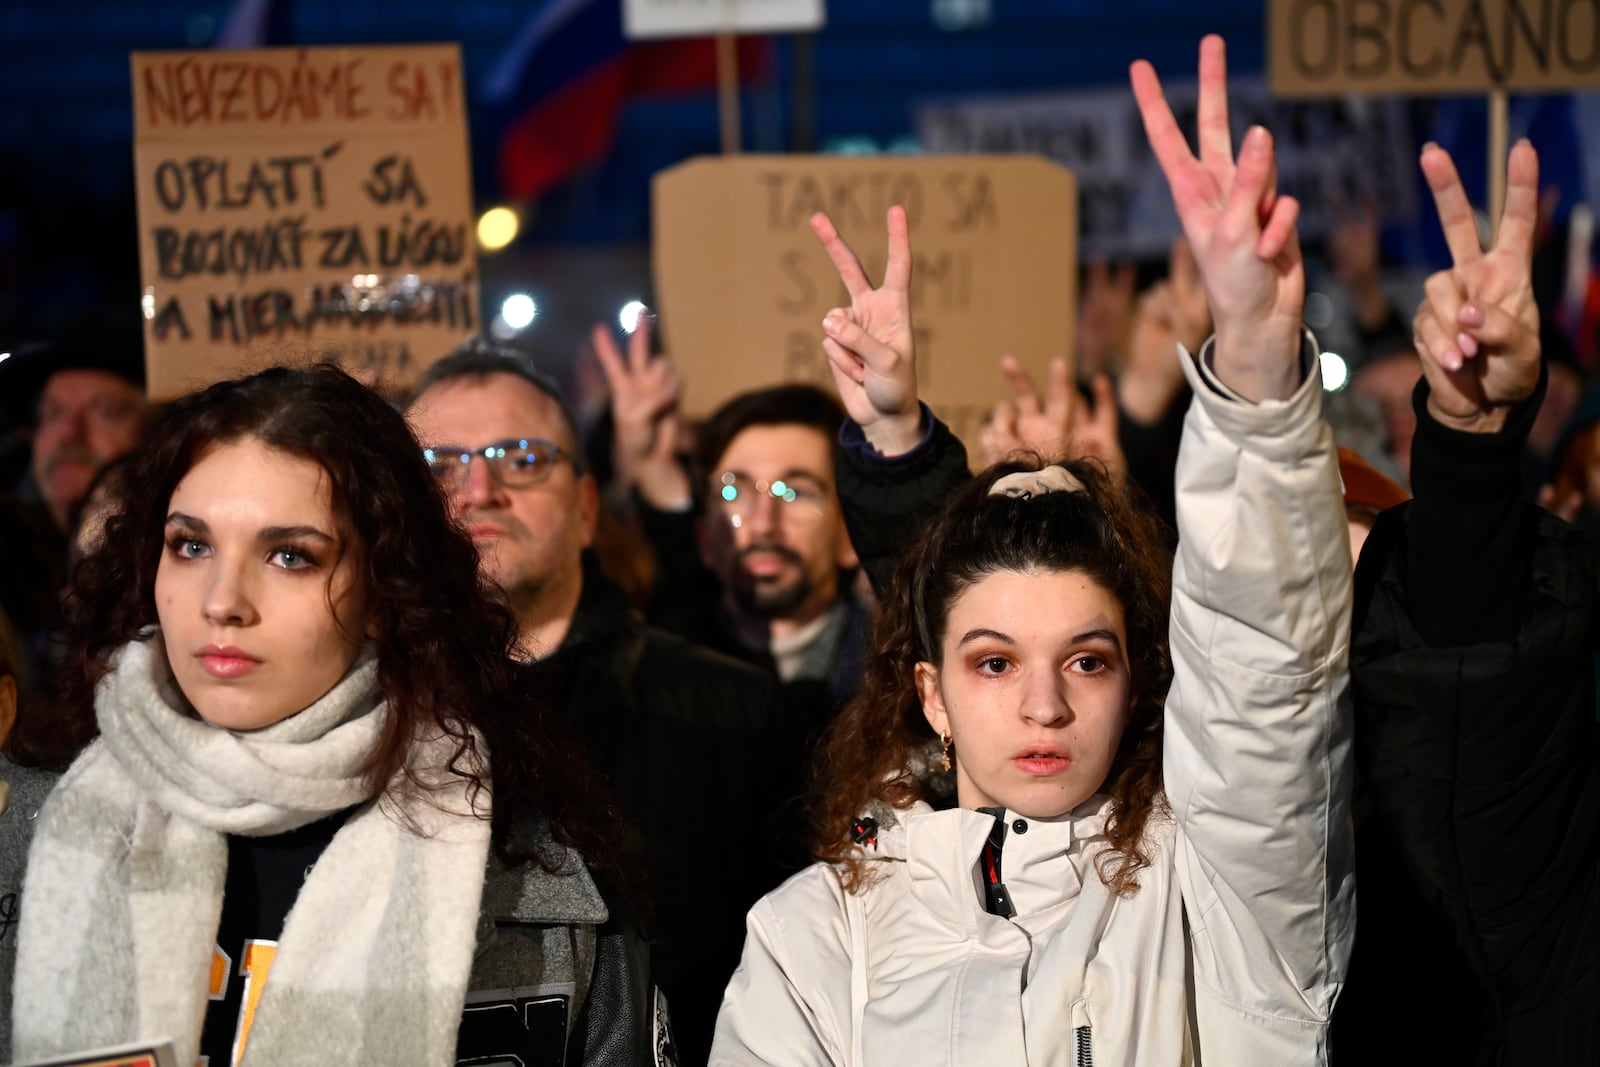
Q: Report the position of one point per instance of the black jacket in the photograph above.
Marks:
(1475, 742)
(703, 763)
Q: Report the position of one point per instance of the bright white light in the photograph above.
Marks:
(4, 356)
(629, 315)
(497, 228)
(147, 303)
(519, 310)
(1335, 373)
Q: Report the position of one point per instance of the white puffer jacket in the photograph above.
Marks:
(1234, 947)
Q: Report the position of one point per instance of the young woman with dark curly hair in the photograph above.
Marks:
(314, 824)
(1144, 860)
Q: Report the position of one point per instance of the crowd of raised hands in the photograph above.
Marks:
(1125, 377)
(1233, 298)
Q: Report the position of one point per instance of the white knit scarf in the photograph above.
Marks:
(123, 893)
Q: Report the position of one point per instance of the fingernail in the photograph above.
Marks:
(1467, 344)
(1257, 138)
(1470, 315)
(1430, 144)
(830, 323)
(1451, 359)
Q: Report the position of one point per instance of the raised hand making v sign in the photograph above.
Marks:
(870, 347)
(1242, 232)
(1478, 330)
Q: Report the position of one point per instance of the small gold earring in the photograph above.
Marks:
(946, 741)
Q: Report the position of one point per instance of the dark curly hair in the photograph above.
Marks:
(875, 748)
(443, 638)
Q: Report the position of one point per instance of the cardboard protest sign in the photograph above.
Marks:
(742, 283)
(690, 18)
(1332, 155)
(302, 203)
(1431, 47)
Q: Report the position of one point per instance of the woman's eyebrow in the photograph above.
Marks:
(1098, 635)
(1102, 634)
(266, 533)
(980, 634)
(289, 533)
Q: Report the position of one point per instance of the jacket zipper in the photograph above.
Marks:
(1085, 1046)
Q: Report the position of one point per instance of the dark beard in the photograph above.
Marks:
(764, 598)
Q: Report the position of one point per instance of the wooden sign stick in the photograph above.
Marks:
(728, 91)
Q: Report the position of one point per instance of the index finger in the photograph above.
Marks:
(1021, 382)
(1455, 213)
(639, 343)
(1520, 219)
(1058, 401)
(605, 350)
(844, 260)
(1166, 139)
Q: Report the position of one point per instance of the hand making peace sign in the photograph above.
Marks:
(1477, 331)
(1242, 232)
(870, 347)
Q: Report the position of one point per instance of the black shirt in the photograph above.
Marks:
(264, 878)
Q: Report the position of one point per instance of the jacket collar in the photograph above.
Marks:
(1043, 865)
(527, 892)
(602, 609)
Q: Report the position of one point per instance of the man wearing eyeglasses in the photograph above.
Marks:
(690, 741)
(774, 537)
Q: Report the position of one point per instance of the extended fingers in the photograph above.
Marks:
(1216, 142)
(1020, 383)
(639, 343)
(844, 260)
(1520, 220)
(605, 350)
(1058, 401)
(1450, 198)
(897, 274)
(1166, 139)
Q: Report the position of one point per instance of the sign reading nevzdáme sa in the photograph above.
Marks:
(302, 203)
(742, 282)
(1429, 47)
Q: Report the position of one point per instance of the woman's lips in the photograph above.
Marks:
(227, 662)
(1042, 762)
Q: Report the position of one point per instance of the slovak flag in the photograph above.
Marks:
(562, 83)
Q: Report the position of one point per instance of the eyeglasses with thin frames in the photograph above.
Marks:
(799, 498)
(515, 463)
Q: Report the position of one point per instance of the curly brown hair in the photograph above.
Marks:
(442, 637)
(874, 749)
